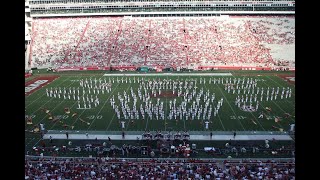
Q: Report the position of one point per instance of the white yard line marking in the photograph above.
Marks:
(72, 107)
(64, 114)
(30, 141)
(50, 109)
(110, 121)
(278, 105)
(221, 122)
(277, 83)
(103, 106)
(269, 114)
(44, 93)
(36, 142)
(165, 118)
(231, 107)
(256, 118)
(126, 128)
(218, 117)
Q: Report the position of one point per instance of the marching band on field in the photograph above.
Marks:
(194, 104)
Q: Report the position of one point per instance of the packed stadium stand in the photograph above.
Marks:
(105, 168)
(105, 41)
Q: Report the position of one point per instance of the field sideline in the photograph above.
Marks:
(102, 117)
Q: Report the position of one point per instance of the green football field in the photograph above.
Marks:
(103, 117)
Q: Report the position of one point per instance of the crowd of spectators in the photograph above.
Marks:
(105, 168)
(174, 41)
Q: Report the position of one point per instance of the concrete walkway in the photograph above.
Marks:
(192, 137)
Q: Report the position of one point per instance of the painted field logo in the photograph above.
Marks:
(34, 85)
(291, 78)
(37, 83)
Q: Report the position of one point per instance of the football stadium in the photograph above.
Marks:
(158, 89)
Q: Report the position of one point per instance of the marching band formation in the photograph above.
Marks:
(187, 101)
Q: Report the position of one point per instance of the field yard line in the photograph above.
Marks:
(30, 141)
(218, 117)
(126, 128)
(269, 113)
(279, 106)
(256, 119)
(45, 94)
(184, 121)
(278, 83)
(231, 107)
(37, 142)
(63, 114)
(77, 116)
(283, 111)
(110, 121)
(148, 121)
(221, 122)
(103, 106)
(165, 118)
(52, 109)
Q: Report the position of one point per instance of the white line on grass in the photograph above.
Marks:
(256, 118)
(277, 82)
(64, 114)
(269, 113)
(184, 123)
(37, 142)
(50, 110)
(283, 111)
(147, 120)
(165, 118)
(218, 117)
(278, 105)
(45, 94)
(132, 108)
(103, 106)
(30, 141)
(111, 121)
(78, 117)
(231, 107)
(221, 122)
(146, 123)
(84, 111)
(184, 120)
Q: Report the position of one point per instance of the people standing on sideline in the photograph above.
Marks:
(109, 139)
(210, 135)
(292, 127)
(123, 134)
(67, 134)
(234, 135)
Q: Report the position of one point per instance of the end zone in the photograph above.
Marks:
(37, 83)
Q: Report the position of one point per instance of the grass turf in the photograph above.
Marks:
(102, 118)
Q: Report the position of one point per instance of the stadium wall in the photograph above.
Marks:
(170, 13)
(133, 68)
